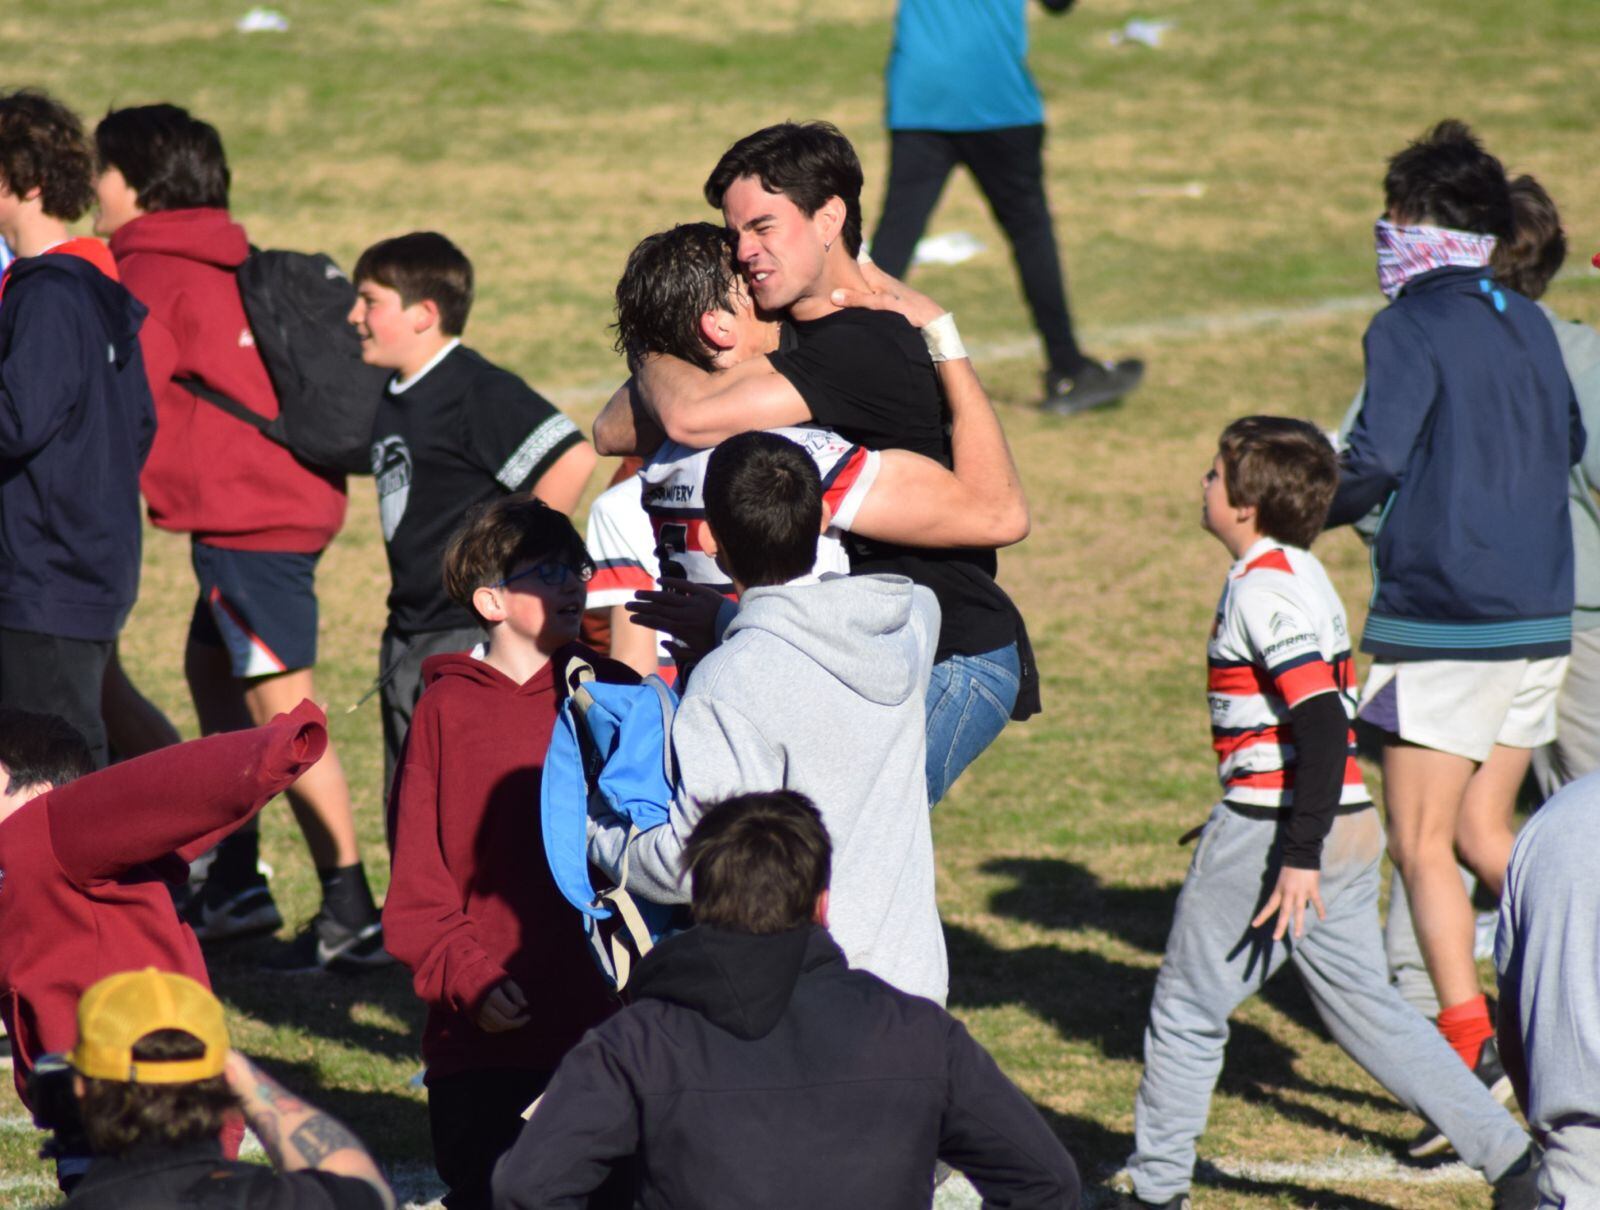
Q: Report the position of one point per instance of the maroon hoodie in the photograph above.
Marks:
(84, 869)
(210, 474)
(471, 900)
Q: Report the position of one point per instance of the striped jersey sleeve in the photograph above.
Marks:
(1280, 638)
(622, 546)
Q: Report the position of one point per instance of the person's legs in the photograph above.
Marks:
(1341, 961)
(919, 164)
(48, 674)
(1483, 828)
(400, 658)
(1213, 960)
(1407, 971)
(1009, 167)
(970, 699)
(475, 1116)
(134, 724)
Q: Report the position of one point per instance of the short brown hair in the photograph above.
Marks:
(1285, 469)
(119, 1118)
(498, 535)
(423, 265)
(671, 279)
(43, 146)
(758, 862)
(1532, 256)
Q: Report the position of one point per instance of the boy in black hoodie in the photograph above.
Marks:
(76, 421)
(755, 1068)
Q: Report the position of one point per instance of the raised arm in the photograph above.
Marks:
(624, 428)
(701, 408)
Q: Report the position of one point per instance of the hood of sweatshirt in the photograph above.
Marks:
(740, 982)
(859, 628)
(120, 313)
(206, 235)
(462, 665)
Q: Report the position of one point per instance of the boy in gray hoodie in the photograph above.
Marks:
(817, 686)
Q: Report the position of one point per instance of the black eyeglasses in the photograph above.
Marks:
(551, 575)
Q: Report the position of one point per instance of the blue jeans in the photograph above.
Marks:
(970, 699)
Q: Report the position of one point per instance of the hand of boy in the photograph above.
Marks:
(683, 609)
(504, 1008)
(1295, 889)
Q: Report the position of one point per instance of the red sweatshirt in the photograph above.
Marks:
(210, 474)
(471, 900)
(83, 869)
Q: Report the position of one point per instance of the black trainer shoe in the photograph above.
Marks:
(1129, 1201)
(1430, 1140)
(220, 913)
(1095, 385)
(326, 945)
(1518, 1186)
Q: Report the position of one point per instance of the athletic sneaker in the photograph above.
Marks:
(1094, 385)
(1431, 1140)
(326, 945)
(1518, 1186)
(224, 914)
(1129, 1201)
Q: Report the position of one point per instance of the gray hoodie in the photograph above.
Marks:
(819, 688)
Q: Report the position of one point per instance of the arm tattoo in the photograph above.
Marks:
(320, 1137)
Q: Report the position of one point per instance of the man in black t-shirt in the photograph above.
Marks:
(790, 196)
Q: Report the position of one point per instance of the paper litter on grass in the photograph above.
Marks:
(1142, 32)
(262, 21)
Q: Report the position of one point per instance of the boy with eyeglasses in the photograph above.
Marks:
(494, 950)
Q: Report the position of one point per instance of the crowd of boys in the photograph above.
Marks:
(823, 486)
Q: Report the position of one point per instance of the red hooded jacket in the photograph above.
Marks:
(84, 869)
(210, 474)
(471, 900)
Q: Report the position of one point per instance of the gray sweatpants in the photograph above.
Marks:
(1214, 960)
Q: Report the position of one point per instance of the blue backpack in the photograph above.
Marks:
(610, 753)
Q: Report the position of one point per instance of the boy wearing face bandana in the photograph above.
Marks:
(1464, 440)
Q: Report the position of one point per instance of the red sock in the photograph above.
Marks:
(1466, 1027)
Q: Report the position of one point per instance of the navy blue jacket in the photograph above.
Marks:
(1468, 430)
(76, 421)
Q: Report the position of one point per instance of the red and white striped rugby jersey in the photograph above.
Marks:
(622, 546)
(1280, 637)
(674, 481)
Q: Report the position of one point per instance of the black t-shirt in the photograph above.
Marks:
(465, 433)
(198, 1178)
(867, 374)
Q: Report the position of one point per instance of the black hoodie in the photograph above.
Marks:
(76, 421)
(762, 1071)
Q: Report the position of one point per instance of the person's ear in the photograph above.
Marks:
(424, 315)
(1246, 515)
(819, 914)
(716, 329)
(830, 218)
(708, 540)
(827, 518)
(490, 605)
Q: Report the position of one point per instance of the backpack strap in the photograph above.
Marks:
(269, 429)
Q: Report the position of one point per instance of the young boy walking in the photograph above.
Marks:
(1287, 864)
(453, 431)
(495, 951)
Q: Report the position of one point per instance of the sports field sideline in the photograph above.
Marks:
(1214, 198)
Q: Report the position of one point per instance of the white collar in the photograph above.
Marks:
(400, 385)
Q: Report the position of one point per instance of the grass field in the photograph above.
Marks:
(1214, 199)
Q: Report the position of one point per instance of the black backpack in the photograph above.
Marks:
(296, 303)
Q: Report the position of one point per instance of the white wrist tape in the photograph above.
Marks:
(942, 339)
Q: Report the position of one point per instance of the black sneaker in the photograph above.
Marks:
(1129, 1201)
(1430, 1140)
(1094, 385)
(225, 914)
(1518, 1186)
(326, 945)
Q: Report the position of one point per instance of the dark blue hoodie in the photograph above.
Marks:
(76, 421)
(1468, 430)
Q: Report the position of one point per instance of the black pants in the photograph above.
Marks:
(1008, 165)
(52, 675)
(475, 1117)
(400, 659)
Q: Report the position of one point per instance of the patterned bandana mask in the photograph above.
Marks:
(1408, 252)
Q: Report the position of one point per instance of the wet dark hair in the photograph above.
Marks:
(671, 279)
(758, 862)
(763, 500)
(42, 146)
(41, 749)
(418, 266)
(1286, 469)
(119, 1118)
(1533, 255)
(170, 159)
(506, 531)
(1446, 178)
(807, 162)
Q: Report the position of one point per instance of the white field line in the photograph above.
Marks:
(1349, 1169)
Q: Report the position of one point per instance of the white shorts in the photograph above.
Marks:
(1466, 707)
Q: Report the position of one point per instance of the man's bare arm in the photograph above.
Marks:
(297, 1136)
(701, 408)
(623, 427)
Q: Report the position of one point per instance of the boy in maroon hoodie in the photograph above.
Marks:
(258, 517)
(85, 866)
(495, 951)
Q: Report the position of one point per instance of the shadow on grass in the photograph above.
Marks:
(1064, 895)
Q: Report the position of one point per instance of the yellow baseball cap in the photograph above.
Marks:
(118, 1011)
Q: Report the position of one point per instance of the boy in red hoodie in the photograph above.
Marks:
(495, 951)
(258, 517)
(85, 866)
